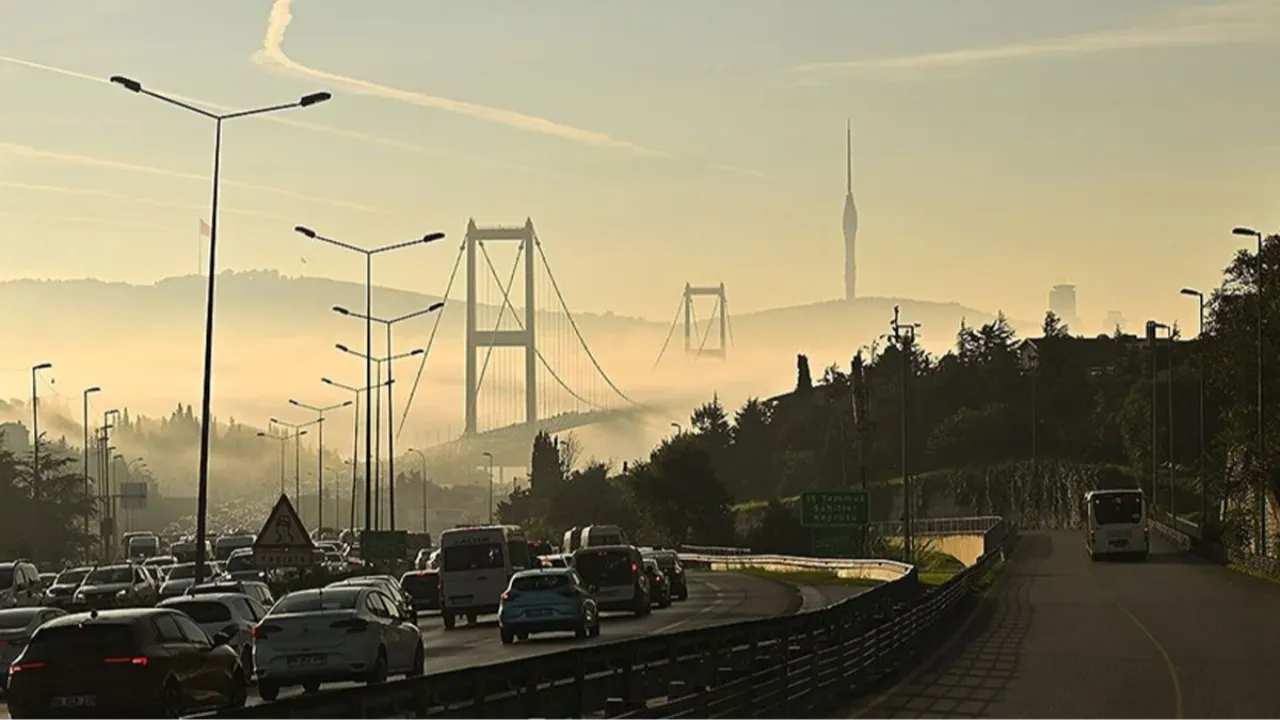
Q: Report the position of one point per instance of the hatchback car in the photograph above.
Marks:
(19, 584)
(137, 662)
(615, 577)
(659, 585)
(111, 586)
(338, 633)
(547, 600)
(424, 587)
(674, 570)
(64, 587)
(231, 614)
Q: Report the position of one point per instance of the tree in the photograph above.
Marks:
(679, 491)
(1053, 326)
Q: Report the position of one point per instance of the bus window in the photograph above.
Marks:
(1116, 509)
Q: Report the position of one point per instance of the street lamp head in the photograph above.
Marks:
(417, 352)
(436, 306)
(348, 403)
(326, 381)
(1189, 291)
(42, 366)
(127, 83)
(295, 403)
(262, 434)
(303, 230)
(314, 99)
(301, 433)
(487, 454)
(93, 389)
(342, 347)
(1249, 232)
(341, 310)
(432, 237)
(274, 420)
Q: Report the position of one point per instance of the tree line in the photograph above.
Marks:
(995, 425)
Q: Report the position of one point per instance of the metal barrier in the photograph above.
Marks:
(713, 550)
(874, 569)
(791, 666)
(939, 526)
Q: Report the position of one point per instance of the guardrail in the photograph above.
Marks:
(873, 569)
(713, 550)
(791, 666)
(939, 526)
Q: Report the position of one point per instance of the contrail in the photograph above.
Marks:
(88, 161)
(88, 221)
(330, 130)
(272, 52)
(89, 192)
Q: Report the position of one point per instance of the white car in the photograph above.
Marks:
(232, 614)
(338, 633)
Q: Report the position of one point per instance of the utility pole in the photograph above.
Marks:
(904, 337)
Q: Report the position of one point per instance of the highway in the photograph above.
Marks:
(1061, 636)
(713, 598)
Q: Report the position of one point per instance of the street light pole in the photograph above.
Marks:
(35, 431)
(106, 464)
(1263, 464)
(1204, 487)
(319, 411)
(905, 335)
(1153, 329)
(85, 461)
(490, 456)
(355, 439)
(282, 440)
(202, 498)
(391, 436)
(368, 343)
(423, 456)
(298, 432)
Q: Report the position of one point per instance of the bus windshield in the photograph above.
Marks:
(1117, 508)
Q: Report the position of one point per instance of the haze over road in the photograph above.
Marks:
(1060, 636)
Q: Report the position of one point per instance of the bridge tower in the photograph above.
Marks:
(721, 309)
(477, 339)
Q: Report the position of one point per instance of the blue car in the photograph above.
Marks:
(547, 600)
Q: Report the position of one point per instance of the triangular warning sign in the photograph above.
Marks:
(284, 529)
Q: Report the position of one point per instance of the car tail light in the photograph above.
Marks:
(510, 595)
(353, 625)
(658, 577)
(635, 568)
(677, 570)
(16, 668)
(262, 631)
(139, 661)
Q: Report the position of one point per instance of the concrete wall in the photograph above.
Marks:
(965, 548)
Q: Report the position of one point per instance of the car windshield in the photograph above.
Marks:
(666, 561)
(110, 576)
(6, 578)
(187, 571)
(651, 567)
(419, 585)
(71, 577)
(91, 639)
(540, 581)
(480, 556)
(333, 556)
(1116, 508)
(604, 567)
(202, 611)
(241, 562)
(317, 601)
(17, 617)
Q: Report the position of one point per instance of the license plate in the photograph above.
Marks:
(74, 701)
(460, 599)
(538, 612)
(306, 660)
(1120, 542)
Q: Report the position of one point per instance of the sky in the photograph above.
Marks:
(1000, 146)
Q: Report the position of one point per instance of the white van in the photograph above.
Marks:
(602, 535)
(476, 565)
(1116, 523)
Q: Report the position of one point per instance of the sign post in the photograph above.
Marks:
(830, 514)
(283, 540)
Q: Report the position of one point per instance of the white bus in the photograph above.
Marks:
(1116, 523)
(476, 565)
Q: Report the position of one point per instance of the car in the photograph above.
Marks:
(19, 584)
(615, 577)
(135, 662)
(240, 566)
(659, 586)
(674, 570)
(259, 591)
(47, 578)
(233, 614)
(16, 627)
(160, 565)
(423, 559)
(181, 577)
(110, 586)
(337, 633)
(547, 600)
(63, 589)
(554, 561)
(424, 587)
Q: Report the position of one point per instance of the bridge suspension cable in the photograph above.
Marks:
(670, 333)
(453, 274)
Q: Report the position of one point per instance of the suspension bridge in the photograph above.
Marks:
(527, 366)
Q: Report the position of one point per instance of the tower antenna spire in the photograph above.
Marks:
(848, 156)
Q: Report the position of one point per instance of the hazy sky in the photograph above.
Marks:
(1001, 146)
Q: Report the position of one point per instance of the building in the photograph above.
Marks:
(1113, 322)
(850, 221)
(15, 438)
(1062, 302)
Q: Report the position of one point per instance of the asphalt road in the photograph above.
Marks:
(1061, 636)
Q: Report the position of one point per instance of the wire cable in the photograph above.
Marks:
(506, 302)
(710, 324)
(574, 324)
(404, 417)
(670, 333)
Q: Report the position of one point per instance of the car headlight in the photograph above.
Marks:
(121, 594)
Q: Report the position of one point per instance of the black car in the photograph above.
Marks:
(669, 562)
(424, 587)
(659, 587)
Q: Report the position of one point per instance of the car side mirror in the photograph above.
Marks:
(221, 638)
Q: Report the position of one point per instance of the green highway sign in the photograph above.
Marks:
(833, 508)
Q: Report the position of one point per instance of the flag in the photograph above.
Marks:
(204, 228)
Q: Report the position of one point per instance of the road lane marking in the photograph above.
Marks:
(1168, 661)
(715, 602)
